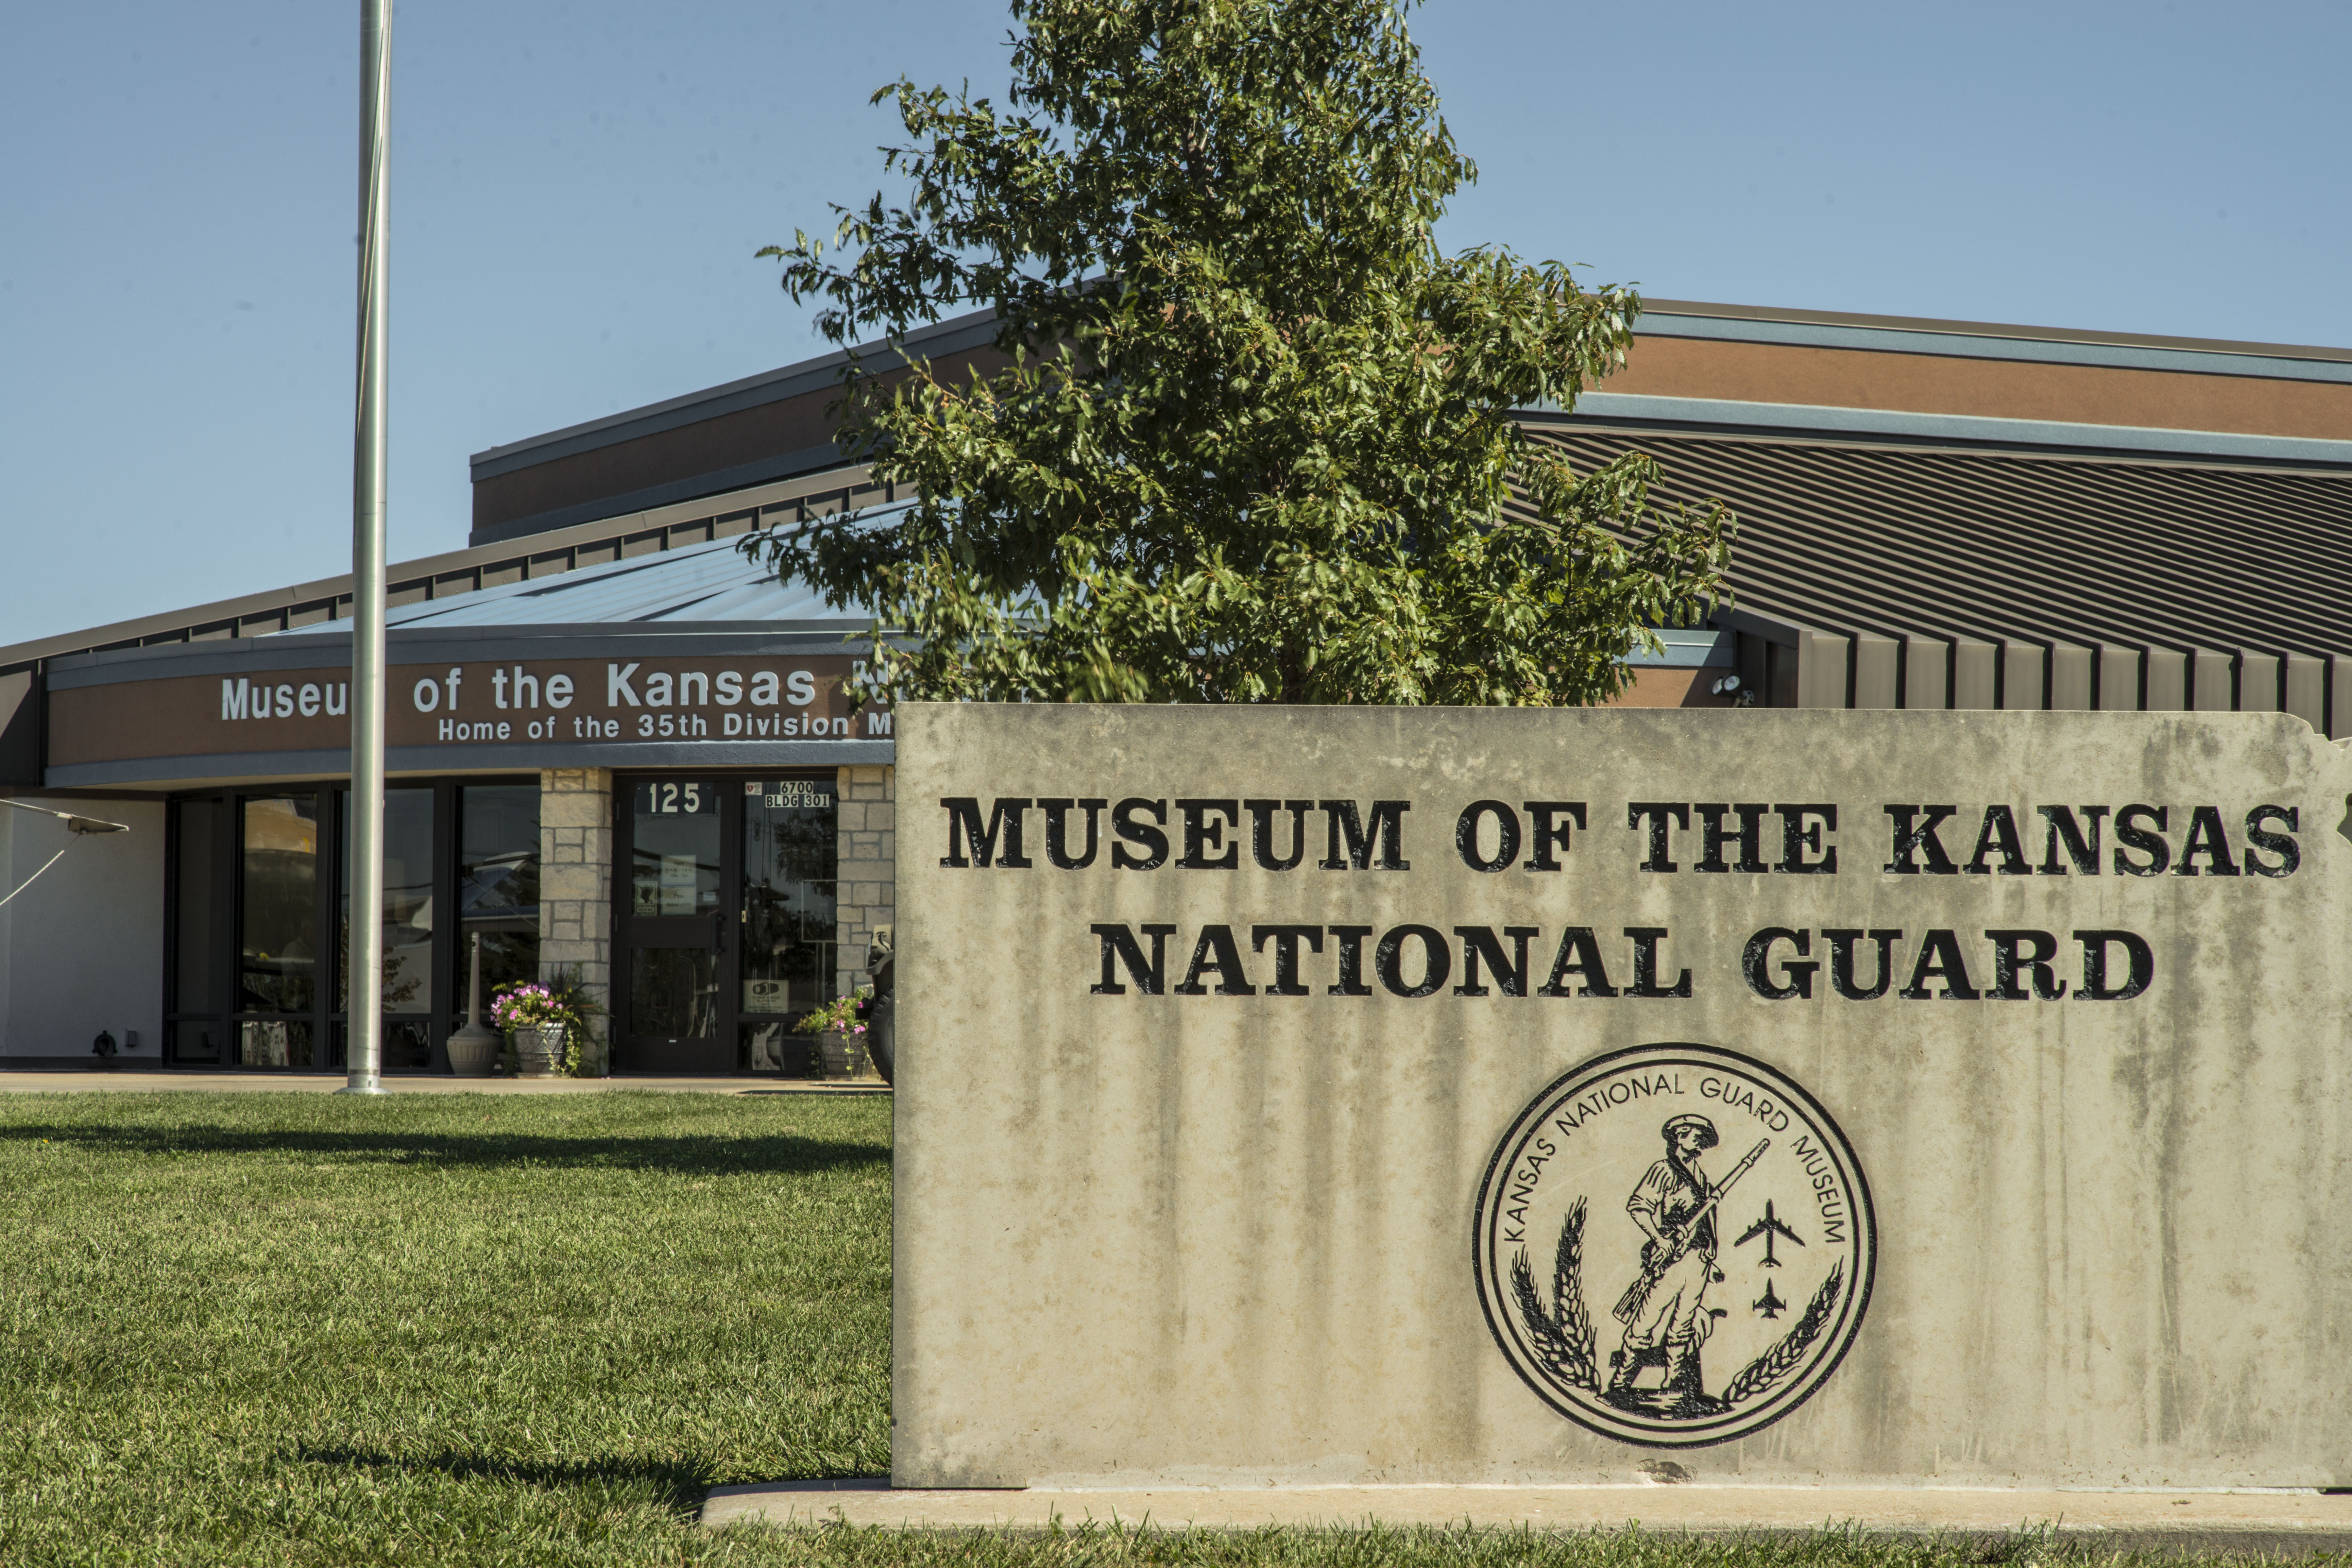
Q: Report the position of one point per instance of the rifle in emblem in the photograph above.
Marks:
(1659, 1255)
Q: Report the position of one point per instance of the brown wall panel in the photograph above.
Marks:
(1658, 687)
(1999, 389)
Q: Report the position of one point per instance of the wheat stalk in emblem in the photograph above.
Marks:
(1563, 1333)
(1776, 1363)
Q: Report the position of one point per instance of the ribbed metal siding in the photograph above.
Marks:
(1955, 578)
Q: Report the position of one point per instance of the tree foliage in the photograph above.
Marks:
(1250, 437)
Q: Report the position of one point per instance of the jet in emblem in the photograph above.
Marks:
(1771, 1305)
(1768, 1227)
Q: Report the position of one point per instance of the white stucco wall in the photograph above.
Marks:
(81, 949)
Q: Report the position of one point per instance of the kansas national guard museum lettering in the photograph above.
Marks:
(1605, 958)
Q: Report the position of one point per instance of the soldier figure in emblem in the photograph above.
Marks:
(1665, 1310)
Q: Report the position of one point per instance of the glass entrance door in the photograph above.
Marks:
(789, 951)
(678, 965)
(727, 924)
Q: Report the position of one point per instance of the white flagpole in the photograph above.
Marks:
(363, 1005)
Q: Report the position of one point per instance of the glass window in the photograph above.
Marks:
(497, 887)
(407, 1045)
(277, 912)
(273, 1043)
(407, 903)
(791, 857)
(195, 888)
(673, 848)
(196, 1042)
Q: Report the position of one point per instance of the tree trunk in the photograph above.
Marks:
(1293, 673)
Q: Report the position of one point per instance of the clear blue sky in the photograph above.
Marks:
(578, 188)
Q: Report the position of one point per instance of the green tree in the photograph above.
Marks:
(1251, 438)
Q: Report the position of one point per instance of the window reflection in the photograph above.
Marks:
(195, 885)
(278, 913)
(791, 858)
(407, 901)
(673, 993)
(497, 887)
(673, 848)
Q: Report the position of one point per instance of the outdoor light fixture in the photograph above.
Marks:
(1727, 686)
(80, 826)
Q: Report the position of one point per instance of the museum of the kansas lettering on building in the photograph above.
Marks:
(616, 747)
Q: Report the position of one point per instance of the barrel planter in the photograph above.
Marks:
(538, 1053)
(843, 1057)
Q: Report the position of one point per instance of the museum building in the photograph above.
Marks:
(618, 750)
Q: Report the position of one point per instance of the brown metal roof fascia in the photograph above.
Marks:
(1983, 329)
(448, 574)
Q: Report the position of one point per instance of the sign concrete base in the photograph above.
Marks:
(2296, 1521)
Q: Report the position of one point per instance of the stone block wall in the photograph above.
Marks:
(575, 887)
(869, 848)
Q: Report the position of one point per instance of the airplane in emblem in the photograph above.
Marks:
(1768, 1227)
(1771, 1305)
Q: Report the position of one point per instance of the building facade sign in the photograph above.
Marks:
(1505, 1096)
(611, 700)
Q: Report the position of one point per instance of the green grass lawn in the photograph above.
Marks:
(300, 1329)
(271, 1327)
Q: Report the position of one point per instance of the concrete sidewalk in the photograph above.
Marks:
(71, 1080)
(2297, 1522)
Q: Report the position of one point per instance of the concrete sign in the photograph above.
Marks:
(1366, 1095)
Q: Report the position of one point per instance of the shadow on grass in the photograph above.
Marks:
(681, 1486)
(715, 1154)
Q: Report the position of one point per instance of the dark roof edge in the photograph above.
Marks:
(674, 492)
(957, 334)
(528, 640)
(1705, 414)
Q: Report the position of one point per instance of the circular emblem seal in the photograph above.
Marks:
(1674, 1246)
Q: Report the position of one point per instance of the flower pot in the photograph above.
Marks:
(538, 1053)
(843, 1057)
